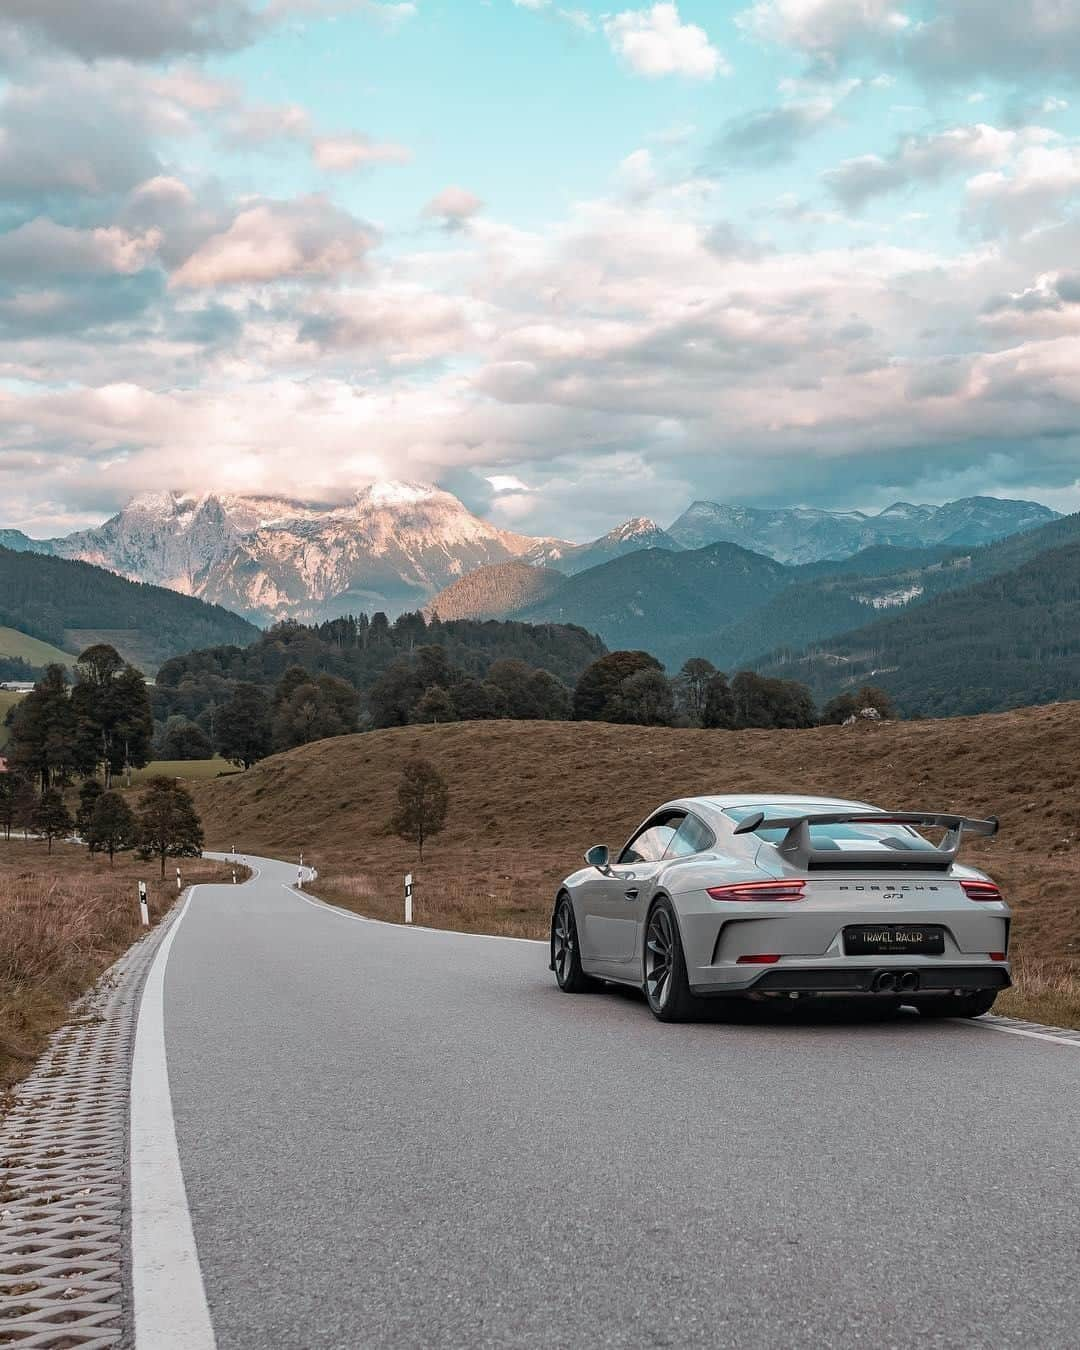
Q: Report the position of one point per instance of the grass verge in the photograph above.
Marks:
(65, 917)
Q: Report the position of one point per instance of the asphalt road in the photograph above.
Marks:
(392, 1137)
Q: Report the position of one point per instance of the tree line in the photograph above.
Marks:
(631, 686)
(95, 731)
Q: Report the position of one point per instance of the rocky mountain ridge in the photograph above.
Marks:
(397, 545)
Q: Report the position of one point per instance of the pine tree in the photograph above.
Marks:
(43, 741)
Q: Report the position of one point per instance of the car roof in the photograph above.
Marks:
(719, 802)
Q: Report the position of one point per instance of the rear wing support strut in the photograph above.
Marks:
(797, 846)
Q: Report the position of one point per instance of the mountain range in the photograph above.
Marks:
(396, 546)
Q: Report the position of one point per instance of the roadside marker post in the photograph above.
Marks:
(408, 897)
(300, 880)
(144, 911)
(234, 876)
(179, 883)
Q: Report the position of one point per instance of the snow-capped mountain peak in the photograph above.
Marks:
(391, 492)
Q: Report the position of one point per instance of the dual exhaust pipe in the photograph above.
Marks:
(895, 982)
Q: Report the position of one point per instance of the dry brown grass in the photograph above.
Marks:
(1043, 991)
(64, 918)
(527, 798)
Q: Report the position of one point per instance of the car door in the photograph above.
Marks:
(619, 897)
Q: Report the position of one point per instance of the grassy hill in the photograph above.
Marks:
(32, 650)
(527, 799)
(64, 603)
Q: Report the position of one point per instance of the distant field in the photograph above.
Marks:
(7, 700)
(138, 648)
(38, 653)
(185, 768)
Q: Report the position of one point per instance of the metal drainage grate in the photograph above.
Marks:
(63, 1174)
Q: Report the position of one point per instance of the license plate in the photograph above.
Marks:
(892, 939)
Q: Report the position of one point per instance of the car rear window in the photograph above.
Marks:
(847, 836)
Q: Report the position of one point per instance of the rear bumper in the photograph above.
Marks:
(863, 979)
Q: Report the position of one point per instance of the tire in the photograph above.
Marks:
(566, 951)
(666, 986)
(957, 1005)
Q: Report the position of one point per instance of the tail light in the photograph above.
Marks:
(997, 956)
(985, 891)
(758, 960)
(759, 892)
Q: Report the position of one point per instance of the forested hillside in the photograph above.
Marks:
(370, 672)
(54, 599)
(496, 591)
(664, 602)
(1002, 643)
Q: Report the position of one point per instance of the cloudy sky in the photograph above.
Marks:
(573, 261)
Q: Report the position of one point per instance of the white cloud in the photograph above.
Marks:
(655, 42)
(826, 29)
(950, 41)
(307, 237)
(927, 159)
(454, 206)
(42, 247)
(340, 154)
(1030, 191)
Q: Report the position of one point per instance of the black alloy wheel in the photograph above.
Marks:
(565, 952)
(667, 988)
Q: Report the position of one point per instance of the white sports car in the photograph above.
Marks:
(786, 897)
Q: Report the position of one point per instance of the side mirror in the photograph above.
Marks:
(599, 856)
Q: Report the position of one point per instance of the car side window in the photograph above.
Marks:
(692, 836)
(651, 843)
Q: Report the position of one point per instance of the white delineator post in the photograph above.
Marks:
(408, 897)
(179, 883)
(144, 911)
(234, 876)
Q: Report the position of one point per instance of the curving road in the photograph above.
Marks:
(399, 1138)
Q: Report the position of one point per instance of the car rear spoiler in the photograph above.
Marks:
(797, 845)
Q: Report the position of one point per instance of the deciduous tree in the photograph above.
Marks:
(89, 793)
(423, 801)
(244, 733)
(718, 707)
(644, 699)
(692, 684)
(51, 819)
(600, 683)
(112, 827)
(168, 824)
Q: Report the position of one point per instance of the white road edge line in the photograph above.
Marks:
(979, 1025)
(168, 1295)
(410, 927)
